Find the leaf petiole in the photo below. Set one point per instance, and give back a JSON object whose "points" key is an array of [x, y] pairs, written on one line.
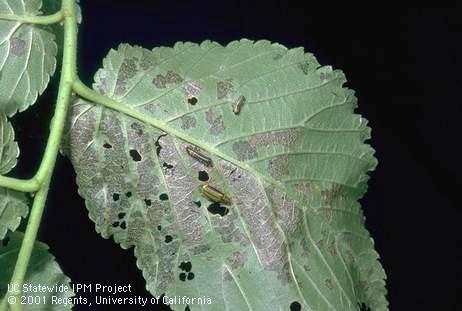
{"points": [[22, 185], [41, 20]]}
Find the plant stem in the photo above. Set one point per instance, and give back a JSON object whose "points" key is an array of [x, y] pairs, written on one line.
{"points": [[68, 76], [45, 171], [42, 20], [23, 185]]}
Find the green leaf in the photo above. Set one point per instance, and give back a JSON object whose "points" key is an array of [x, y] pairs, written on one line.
{"points": [[293, 163], [13, 204], [13, 207], [9, 150], [27, 57], [43, 270]]}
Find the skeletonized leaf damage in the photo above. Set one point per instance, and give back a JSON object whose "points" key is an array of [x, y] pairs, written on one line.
{"points": [[293, 163]]}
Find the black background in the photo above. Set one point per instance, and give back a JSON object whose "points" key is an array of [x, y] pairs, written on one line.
{"points": [[404, 64]]}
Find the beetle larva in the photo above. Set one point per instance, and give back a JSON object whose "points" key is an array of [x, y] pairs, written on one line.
{"points": [[238, 104], [195, 153], [214, 194]]}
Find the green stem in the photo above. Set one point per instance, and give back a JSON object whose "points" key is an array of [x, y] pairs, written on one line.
{"points": [[28, 242], [45, 171], [23, 185], [42, 20]]}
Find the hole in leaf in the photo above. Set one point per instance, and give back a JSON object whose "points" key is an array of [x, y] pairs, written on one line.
{"points": [[190, 276], [182, 276], [158, 147], [187, 308], [363, 307], [5, 241], [135, 155], [128, 194], [192, 100], [147, 202], [121, 215], [295, 306], [123, 225], [203, 176], [157, 144], [115, 224], [115, 197], [159, 227], [198, 203], [168, 238], [163, 197], [185, 266], [167, 166], [107, 145], [216, 208]]}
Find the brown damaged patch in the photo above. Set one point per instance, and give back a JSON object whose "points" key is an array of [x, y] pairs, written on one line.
{"points": [[200, 249], [136, 230], [127, 70], [286, 138], [303, 188], [224, 88], [17, 46], [167, 256], [229, 232], [279, 166], [333, 249], [188, 122], [161, 81], [138, 128], [324, 76], [180, 186], [147, 61], [277, 56], [244, 151], [237, 260], [333, 195], [192, 88], [304, 67], [286, 210], [102, 86], [255, 211], [215, 121], [154, 214]]}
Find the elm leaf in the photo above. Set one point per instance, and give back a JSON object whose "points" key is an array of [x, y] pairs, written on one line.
{"points": [[13, 207], [27, 57], [9, 150], [13, 204], [292, 163], [42, 271]]}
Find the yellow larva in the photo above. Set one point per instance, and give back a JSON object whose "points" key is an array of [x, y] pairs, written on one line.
{"points": [[214, 194], [195, 153], [238, 104]]}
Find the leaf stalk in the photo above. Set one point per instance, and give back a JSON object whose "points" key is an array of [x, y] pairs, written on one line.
{"points": [[40, 20]]}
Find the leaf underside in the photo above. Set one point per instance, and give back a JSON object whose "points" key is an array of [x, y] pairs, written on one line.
{"points": [[27, 57], [13, 204], [43, 270], [293, 162]]}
